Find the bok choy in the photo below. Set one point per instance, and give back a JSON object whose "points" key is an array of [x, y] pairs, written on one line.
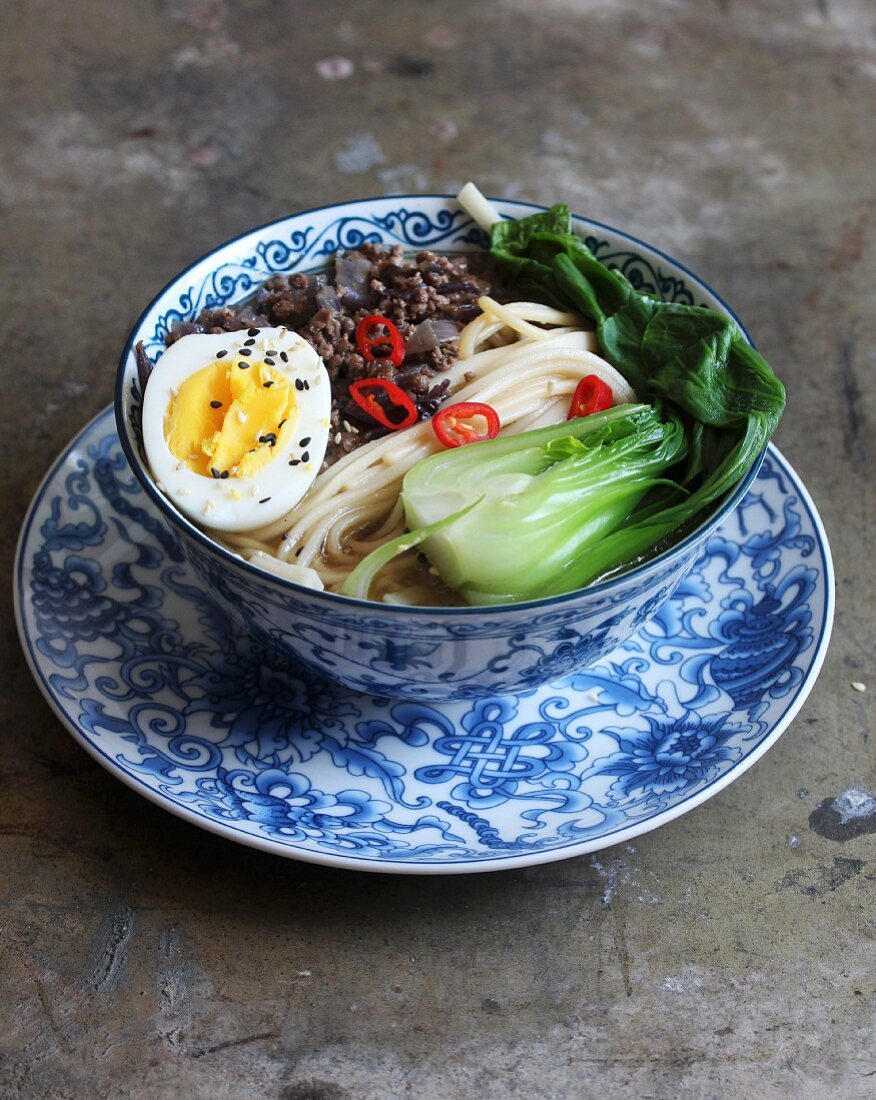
{"points": [[523, 516]]}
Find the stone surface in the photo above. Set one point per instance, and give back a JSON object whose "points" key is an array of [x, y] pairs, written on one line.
{"points": [[729, 954]]}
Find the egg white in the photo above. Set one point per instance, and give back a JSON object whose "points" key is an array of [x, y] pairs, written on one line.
{"points": [[240, 503]]}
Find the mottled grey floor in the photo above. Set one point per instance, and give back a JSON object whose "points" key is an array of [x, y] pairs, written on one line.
{"points": [[715, 958]]}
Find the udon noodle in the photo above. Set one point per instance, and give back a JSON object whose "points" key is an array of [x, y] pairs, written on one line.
{"points": [[523, 358]]}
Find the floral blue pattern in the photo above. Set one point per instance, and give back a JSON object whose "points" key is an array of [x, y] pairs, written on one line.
{"points": [[159, 683], [673, 754]]}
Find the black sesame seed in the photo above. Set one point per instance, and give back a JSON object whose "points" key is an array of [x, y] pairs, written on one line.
{"points": [[299, 385], [221, 354], [294, 462], [214, 472], [305, 457], [307, 385], [269, 362], [267, 385], [248, 343], [252, 332], [303, 442], [284, 356], [270, 353], [215, 404], [223, 475], [245, 351], [244, 366], [264, 500]]}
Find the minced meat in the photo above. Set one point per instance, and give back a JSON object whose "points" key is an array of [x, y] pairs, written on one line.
{"points": [[325, 309]]}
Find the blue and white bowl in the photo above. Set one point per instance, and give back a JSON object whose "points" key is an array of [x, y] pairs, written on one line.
{"points": [[433, 654]]}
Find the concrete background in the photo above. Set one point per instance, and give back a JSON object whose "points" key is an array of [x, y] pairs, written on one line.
{"points": [[730, 954]]}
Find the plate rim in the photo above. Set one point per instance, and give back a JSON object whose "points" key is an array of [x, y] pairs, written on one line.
{"points": [[383, 866]]}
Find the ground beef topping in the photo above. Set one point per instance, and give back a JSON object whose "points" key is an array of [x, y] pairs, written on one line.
{"points": [[428, 297]]}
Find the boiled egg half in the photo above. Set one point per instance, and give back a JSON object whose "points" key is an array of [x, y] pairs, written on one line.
{"points": [[235, 425]]}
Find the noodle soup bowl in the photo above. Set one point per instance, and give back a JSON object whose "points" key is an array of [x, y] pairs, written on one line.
{"points": [[432, 654]]}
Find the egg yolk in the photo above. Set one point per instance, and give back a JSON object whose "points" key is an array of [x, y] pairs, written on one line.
{"points": [[226, 420]]}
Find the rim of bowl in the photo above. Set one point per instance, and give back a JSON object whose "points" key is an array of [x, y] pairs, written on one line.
{"points": [[188, 528]]}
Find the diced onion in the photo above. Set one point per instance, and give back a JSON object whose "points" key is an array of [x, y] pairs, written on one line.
{"points": [[445, 330], [352, 271], [429, 334], [327, 298]]}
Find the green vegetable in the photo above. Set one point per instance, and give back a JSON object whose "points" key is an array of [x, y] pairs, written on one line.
{"points": [[549, 511], [523, 516]]}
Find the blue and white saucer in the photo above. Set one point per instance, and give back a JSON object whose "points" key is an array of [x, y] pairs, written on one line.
{"points": [[159, 687]]}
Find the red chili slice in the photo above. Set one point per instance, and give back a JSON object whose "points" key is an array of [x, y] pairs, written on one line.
{"points": [[379, 341], [396, 411], [592, 395], [466, 422]]}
